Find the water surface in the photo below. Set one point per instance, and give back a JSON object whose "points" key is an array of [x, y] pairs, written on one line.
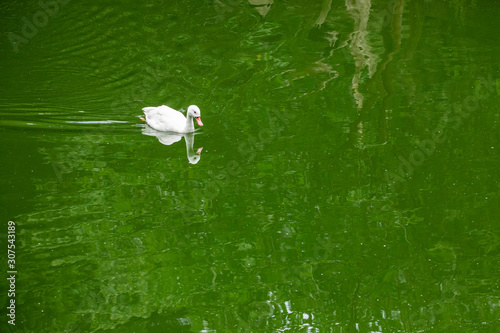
{"points": [[348, 179]]}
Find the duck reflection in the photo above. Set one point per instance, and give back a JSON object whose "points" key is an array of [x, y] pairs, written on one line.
{"points": [[168, 138]]}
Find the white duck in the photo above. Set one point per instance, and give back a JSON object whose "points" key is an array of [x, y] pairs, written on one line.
{"points": [[165, 119]]}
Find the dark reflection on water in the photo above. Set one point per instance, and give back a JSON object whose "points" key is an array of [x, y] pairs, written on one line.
{"points": [[347, 181]]}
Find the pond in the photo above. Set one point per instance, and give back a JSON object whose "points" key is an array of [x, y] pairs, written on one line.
{"points": [[345, 179]]}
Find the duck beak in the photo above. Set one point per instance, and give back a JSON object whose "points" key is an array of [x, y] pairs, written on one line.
{"points": [[198, 120]]}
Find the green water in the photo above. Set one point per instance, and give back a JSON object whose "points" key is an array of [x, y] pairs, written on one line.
{"points": [[348, 180]]}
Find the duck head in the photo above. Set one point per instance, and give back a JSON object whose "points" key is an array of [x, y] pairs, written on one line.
{"points": [[194, 112]]}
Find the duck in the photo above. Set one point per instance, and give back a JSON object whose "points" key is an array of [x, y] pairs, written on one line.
{"points": [[165, 119]]}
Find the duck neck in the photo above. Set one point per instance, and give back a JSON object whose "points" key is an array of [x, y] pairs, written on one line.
{"points": [[189, 124]]}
